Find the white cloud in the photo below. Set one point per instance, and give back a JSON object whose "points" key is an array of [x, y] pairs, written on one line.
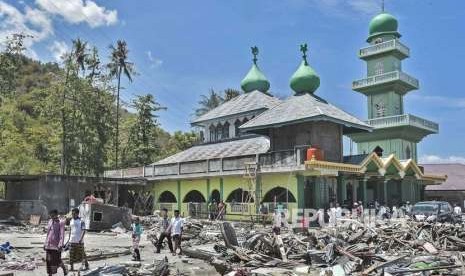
{"points": [[79, 11], [33, 22], [435, 159], [154, 62], [58, 49]]}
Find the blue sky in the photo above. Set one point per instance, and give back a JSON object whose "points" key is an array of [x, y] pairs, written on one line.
{"points": [[183, 48]]}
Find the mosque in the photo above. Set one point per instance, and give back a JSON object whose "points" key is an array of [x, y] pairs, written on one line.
{"points": [[259, 149]]}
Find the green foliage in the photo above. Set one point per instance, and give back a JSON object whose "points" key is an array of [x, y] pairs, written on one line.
{"points": [[63, 118], [213, 99]]}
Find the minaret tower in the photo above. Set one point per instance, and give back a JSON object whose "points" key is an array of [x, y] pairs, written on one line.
{"points": [[385, 87]]}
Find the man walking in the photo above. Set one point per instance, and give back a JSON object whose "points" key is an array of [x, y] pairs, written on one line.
{"points": [[54, 244], [76, 241], [165, 229], [177, 225]]}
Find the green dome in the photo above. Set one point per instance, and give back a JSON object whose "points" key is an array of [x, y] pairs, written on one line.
{"points": [[305, 79], [383, 23], [255, 80]]}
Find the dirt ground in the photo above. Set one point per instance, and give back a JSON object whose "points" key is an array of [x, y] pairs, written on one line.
{"points": [[31, 245]]}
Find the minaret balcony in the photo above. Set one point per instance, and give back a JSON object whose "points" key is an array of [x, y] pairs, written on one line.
{"points": [[400, 81], [402, 121], [394, 46]]}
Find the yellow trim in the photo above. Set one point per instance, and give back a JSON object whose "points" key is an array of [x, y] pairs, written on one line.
{"points": [[383, 164]]}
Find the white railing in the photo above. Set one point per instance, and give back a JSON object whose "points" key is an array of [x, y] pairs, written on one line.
{"points": [[402, 120], [239, 207], [168, 206], [384, 47], [384, 78]]}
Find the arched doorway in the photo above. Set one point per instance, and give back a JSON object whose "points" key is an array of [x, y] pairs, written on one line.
{"points": [[237, 196], [194, 196], [279, 194], [196, 206], [215, 196], [167, 197]]}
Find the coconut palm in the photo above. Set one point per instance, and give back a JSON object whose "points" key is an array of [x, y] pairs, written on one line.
{"points": [[208, 102], [80, 53], [119, 65]]}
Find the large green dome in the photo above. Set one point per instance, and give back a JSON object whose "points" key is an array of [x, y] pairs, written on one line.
{"points": [[255, 80], [305, 79], [383, 23]]}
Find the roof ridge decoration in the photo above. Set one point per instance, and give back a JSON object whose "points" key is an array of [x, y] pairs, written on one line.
{"points": [[255, 79], [304, 80], [382, 164]]}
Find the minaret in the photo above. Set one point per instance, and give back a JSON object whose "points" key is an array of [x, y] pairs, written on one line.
{"points": [[385, 87]]}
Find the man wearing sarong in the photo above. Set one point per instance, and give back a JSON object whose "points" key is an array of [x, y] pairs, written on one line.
{"points": [[76, 241], [54, 244]]}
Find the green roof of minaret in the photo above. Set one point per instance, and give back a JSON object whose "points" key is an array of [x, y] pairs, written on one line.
{"points": [[305, 79], [255, 80], [383, 23]]}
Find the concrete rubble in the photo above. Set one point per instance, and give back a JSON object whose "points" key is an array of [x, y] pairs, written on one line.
{"points": [[348, 247]]}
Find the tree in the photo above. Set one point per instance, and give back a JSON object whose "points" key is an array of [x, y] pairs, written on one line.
{"points": [[119, 64], [230, 93], [141, 147], [208, 102]]}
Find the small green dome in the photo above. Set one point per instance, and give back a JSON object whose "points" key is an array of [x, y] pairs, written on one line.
{"points": [[383, 23], [305, 79], [255, 80]]}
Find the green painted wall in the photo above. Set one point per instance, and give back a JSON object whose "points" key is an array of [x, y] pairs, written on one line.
{"points": [[397, 146]]}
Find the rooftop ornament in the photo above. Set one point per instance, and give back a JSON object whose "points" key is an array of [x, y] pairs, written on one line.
{"points": [[255, 80], [383, 24], [305, 79]]}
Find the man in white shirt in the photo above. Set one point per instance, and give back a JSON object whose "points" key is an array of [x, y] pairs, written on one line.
{"points": [[176, 228], [457, 209], [76, 241], [338, 211]]}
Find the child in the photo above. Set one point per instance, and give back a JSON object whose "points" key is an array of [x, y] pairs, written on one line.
{"points": [[136, 233]]}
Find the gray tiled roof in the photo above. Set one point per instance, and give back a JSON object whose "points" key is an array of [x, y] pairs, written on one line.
{"points": [[455, 176], [255, 100], [303, 108], [355, 159], [240, 147]]}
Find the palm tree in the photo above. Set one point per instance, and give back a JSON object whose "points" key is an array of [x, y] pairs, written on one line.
{"points": [[208, 102], [93, 64], [119, 64], [80, 54], [230, 93]]}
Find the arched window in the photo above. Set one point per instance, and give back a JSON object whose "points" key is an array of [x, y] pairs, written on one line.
{"points": [[215, 196], [237, 196], [408, 153], [219, 130], [194, 196], [279, 194], [225, 132], [237, 124], [167, 197], [212, 133]]}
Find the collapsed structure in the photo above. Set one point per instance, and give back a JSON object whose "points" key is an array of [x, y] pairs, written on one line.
{"points": [[258, 149]]}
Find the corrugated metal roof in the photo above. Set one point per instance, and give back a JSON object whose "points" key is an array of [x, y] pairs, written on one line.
{"points": [[303, 108], [255, 100], [455, 176], [240, 147]]}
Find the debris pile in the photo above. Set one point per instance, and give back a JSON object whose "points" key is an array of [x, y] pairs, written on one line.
{"points": [[400, 247]]}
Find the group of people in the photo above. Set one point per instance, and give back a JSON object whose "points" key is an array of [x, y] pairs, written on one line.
{"points": [[216, 210], [171, 230], [55, 242]]}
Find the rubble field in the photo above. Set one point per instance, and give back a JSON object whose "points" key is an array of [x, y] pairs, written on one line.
{"points": [[348, 247]]}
